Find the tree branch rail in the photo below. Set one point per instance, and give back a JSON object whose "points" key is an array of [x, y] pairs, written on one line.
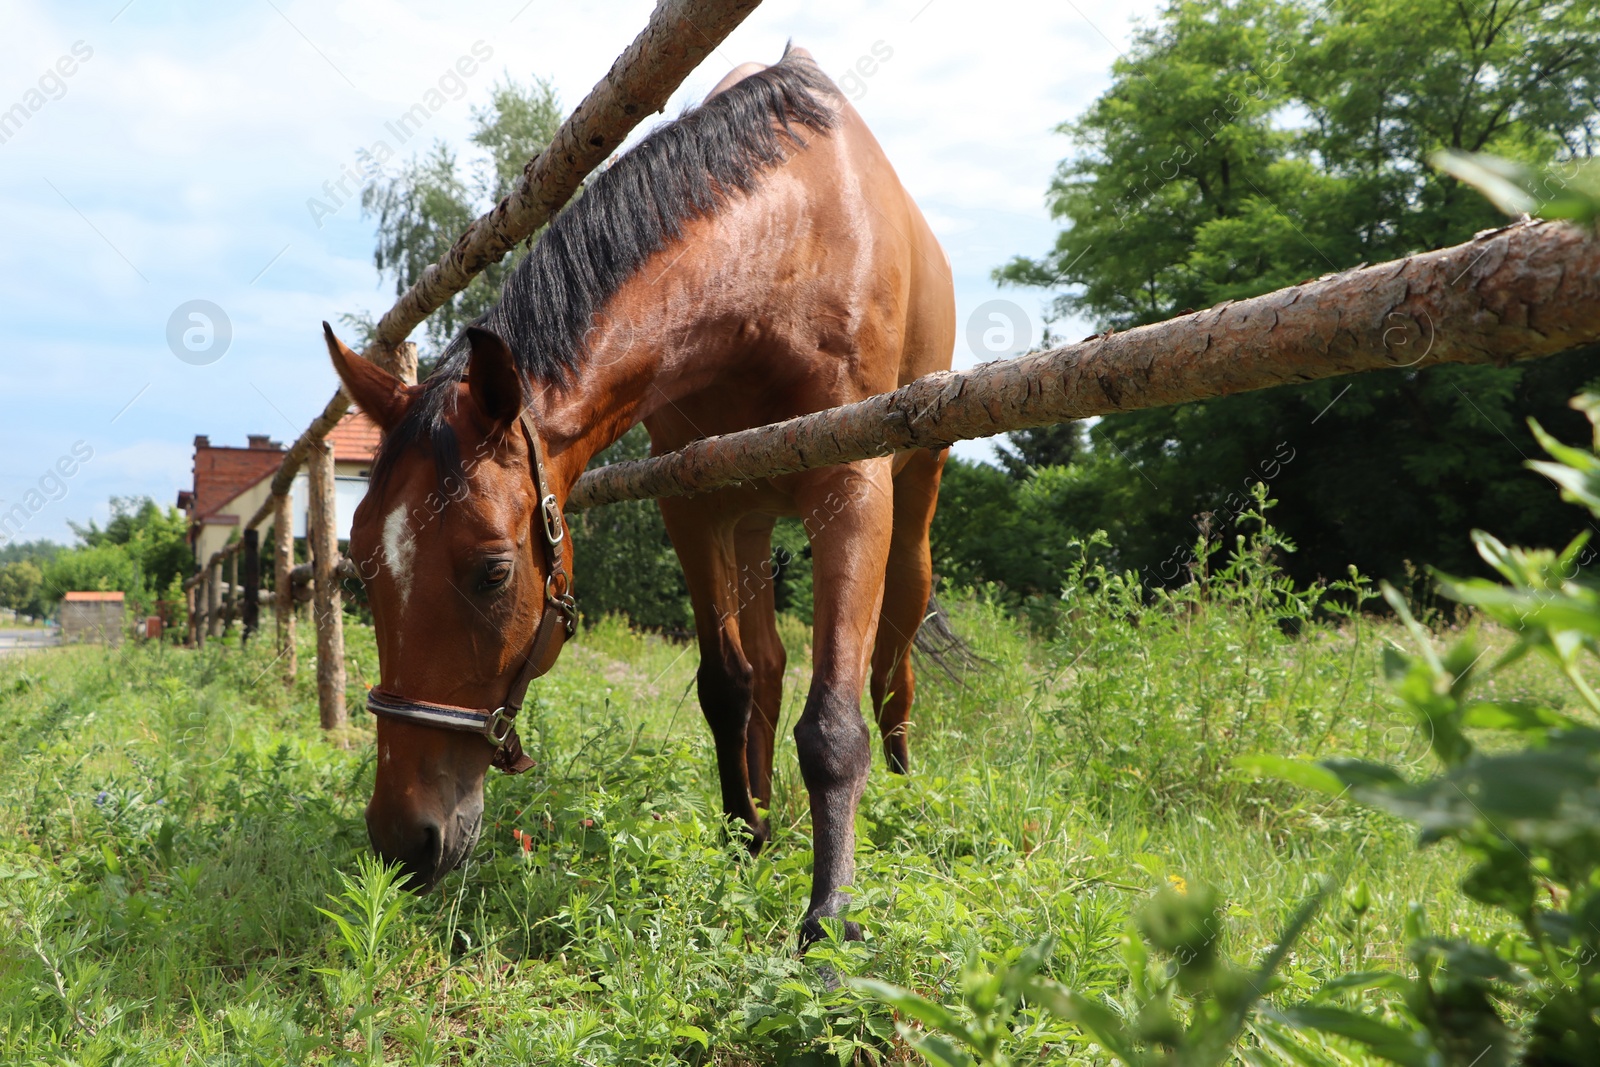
{"points": [[1521, 292]]}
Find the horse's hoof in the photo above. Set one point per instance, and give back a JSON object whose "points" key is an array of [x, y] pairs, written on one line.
{"points": [[897, 754], [811, 931]]}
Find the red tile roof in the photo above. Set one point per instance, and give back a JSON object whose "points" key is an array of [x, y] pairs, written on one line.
{"points": [[93, 596], [220, 474], [355, 438]]}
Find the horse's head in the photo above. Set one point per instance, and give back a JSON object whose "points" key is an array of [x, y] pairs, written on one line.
{"points": [[450, 544]]}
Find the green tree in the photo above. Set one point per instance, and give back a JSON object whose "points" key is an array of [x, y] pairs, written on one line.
{"points": [[155, 538], [22, 589], [94, 568], [1041, 446], [1246, 146], [37, 551], [519, 123], [422, 209]]}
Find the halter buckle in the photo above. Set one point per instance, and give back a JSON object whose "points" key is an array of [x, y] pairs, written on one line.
{"points": [[499, 726], [555, 531], [567, 604]]}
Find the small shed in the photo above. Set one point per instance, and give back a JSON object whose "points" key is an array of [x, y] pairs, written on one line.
{"points": [[92, 618]]}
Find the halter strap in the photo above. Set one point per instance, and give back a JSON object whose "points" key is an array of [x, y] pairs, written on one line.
{"points": [[558, 621]]}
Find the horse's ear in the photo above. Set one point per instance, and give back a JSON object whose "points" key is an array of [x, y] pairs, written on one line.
{"points": [[381, 395], [493, 378]]}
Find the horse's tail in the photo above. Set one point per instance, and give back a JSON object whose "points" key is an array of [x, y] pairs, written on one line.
{"points": [[939, 644]]}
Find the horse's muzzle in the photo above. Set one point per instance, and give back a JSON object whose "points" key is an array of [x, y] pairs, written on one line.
{"points": [[427, 849]]}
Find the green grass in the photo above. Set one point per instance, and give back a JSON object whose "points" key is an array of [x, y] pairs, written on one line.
{"points": [[171, 822]]}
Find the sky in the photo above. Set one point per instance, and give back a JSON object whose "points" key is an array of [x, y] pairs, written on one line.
{"points": [[170, 151]]}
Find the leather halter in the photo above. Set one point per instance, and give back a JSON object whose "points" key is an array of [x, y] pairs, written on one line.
{"points": [[558, 622]]}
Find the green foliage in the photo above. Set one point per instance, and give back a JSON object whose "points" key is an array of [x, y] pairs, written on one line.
{"points": [[624, 559], [369, 907], [519, 123], [22, 589], [420, 210], [1518, 786], [1019, 535], [155, 537], [1567, 191], [1188, 1007], [102, 568], [979, 1029], [143, 552], [34, 551], [1248, 146], [791, 569], [1163, 738], [1041, 446], [1217, 197]]}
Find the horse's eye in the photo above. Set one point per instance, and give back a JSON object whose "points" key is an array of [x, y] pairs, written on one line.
{"points": [[496, 573]]}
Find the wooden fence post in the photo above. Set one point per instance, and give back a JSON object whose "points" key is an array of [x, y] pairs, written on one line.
{"points": [[250, 610], [232, 594], [283, 537], [327, 605], [192, 594], [214, 600]]}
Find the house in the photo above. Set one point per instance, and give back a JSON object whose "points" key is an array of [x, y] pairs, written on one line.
{"points": [[231, 483], [92, 617]]}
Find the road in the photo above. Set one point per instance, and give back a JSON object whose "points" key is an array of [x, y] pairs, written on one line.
{"points": [[27, 640]]}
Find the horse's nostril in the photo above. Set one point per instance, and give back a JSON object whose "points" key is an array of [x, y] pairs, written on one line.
{"points": [[432, 848], [420, 853]]}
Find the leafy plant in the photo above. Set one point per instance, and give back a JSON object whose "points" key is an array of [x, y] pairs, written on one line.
{"points": [[1569, 190], [1186, 1008], [979, 1029], [1518, 792], [370, 905]]}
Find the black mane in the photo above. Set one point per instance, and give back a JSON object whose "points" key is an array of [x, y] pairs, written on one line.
{"points": [[686, 169]]}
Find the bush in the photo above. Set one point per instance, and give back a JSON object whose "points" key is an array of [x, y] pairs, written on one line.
{"points": [[97, 568]]}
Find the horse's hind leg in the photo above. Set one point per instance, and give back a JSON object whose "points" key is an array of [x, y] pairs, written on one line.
{"points": [[847, 516], [704, 540], [758, 630], [908, 579]]}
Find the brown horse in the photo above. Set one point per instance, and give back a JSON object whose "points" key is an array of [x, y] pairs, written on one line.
{"points": [[755, 260]]}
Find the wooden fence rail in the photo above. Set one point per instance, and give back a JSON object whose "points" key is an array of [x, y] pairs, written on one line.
{"points": [[678, 37], [1524, 291]]}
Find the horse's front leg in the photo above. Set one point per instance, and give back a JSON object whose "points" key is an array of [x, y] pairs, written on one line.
{"points": [[848, 515], [703, 535]]}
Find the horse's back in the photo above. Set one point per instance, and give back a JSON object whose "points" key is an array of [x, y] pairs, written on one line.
{"points": [[837, 284]]}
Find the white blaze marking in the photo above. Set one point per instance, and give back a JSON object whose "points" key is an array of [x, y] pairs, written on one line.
{"points": [[399, 549]]}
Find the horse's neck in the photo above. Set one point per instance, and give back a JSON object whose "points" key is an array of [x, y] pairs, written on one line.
{"points": [[641, 356]]}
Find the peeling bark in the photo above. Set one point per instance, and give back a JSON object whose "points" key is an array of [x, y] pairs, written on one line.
{"points": [[1520, 292]]}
